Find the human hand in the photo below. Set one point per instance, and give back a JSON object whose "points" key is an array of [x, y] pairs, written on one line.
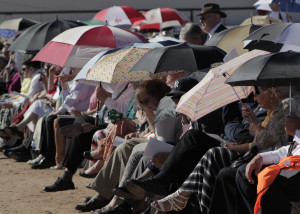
{"points": [[230, 145], [159, 158], [254, 128], [292, 123], [254, 165], [53, 114], [131, 135], [75, 113], [248, 114]]}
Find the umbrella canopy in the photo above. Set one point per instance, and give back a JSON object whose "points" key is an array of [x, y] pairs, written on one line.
{"points": [[81, 76], [76, 46], [93, 22], [5, 33], [37, 36], [179, 57], [161, 18], [275, 37], [119, 15], [232, 38], [115, 67], [279, 69], [17, 24], [212, 92], [260, 20]]}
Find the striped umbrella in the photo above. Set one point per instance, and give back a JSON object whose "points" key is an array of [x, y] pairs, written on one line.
{"points": [[159, 19], [119, 16], [76, 46], [212, 92]]}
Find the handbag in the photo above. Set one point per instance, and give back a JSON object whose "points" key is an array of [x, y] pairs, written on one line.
{"points": [[246, 158]]}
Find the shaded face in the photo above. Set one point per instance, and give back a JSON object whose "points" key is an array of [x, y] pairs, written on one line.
{"points": [[209, 21], [25, 71], [262, 97]]}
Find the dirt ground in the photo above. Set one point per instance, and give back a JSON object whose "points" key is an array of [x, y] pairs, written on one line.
{"points": [[21, 190]]}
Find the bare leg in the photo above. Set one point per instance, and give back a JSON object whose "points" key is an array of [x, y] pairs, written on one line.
{"points": [[60, 144], [32, 117], [95, 168]]}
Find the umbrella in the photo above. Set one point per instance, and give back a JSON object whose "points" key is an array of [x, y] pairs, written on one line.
{"points": [[114, 67], [93, 22], [184, 56], [161, 18], [81, 76], [76, 46], [37, 36], [232, 38], [18, 24], [119, 16], [275, 37], [212, 93], [276, 69], [8, 33], [260, 20]]}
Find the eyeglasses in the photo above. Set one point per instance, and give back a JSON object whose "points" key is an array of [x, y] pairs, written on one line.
{"points": [[204, 17]]}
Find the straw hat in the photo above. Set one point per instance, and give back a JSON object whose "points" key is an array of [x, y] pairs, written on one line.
{"points": [[212, 8]]}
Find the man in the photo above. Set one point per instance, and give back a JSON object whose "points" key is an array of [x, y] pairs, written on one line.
{"points": [[277, 14], [210, 19]]}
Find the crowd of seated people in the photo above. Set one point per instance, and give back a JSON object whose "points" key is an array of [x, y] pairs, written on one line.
{"points": [[51, 121]]}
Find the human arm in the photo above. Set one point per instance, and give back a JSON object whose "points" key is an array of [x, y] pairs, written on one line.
{"points": [[254, 165], [242, 148]]}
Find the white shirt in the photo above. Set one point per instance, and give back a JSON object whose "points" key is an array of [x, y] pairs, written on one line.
{"points": [[275, 15], [36, 85], [273, 157]]}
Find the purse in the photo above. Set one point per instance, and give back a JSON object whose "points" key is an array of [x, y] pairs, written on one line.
{"points": [[246, 158]]}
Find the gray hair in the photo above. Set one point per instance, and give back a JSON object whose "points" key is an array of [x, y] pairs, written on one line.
{"points": [[192, 31]]}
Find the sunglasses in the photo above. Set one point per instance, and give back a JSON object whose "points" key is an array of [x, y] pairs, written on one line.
{"points": [[24, 69]]}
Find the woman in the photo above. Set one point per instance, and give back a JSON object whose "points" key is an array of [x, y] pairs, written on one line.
{"points": [[201, 181]]}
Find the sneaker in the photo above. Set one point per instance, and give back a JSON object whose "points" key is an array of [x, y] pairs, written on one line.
{"points": [[60, 185]]}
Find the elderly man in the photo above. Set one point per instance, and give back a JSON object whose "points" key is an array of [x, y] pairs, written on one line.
{"points": [[210, 19]]}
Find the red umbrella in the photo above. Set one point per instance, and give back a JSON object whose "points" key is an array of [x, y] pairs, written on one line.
{"points": [[161, 18], [119, 15], [75, 47]]}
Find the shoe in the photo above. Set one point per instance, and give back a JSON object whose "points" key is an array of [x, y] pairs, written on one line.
{"points": [[13, 131], [20, 156], [120, 209], [20, 148], [59, 185], [75, 130], [43, 164], [146, 188], [6, 152], [83, 174], [176, 201], [87, 155], [92, 204], [123, 193], [36, 160], [57, 167]]}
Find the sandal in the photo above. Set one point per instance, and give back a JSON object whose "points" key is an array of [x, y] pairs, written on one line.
{"points": [[178, 202]]}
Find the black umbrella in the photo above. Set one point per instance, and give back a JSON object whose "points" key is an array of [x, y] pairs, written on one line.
{"points": [[268, 38], [179, 57], [18, 24], [37, 36], [276, 69]]}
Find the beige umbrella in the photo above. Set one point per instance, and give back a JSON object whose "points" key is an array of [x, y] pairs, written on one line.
{"points": [[212, 93], [260, 20]]}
